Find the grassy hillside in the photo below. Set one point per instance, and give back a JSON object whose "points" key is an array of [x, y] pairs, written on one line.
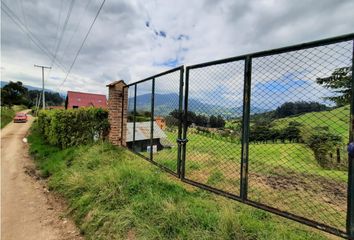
{"points": [[113, 194], [7, 114], [337, 120]]}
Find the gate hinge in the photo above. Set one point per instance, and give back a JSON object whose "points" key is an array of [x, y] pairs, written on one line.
{"points": [[181, 141]]}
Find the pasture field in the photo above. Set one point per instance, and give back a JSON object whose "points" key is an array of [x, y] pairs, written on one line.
{"points": [[285, 176]]}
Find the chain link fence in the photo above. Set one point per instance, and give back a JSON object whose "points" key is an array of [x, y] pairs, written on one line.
{"points": [[297, 151], [154, 107], [269, 129]]}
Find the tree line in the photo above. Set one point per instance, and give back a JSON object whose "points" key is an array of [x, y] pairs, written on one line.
{"points": [[263, 132], [15, 93], [197, 119], [288, 109]]}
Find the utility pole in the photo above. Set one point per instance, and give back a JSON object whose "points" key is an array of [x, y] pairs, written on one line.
{"points": [[43, 67]]}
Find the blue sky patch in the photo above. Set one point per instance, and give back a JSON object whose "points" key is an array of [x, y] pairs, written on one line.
{"points": [[287, 82], [182, 37], [161, 33], [169, 63], [279, 85]]}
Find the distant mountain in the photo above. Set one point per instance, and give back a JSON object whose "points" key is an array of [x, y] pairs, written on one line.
{"points": [[166, 103]]}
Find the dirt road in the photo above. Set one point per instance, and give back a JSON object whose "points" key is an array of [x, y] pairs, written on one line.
{"points": [[28, 210]]}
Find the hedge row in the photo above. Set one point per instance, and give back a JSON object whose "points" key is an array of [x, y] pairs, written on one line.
{"points": [[66, 128]]}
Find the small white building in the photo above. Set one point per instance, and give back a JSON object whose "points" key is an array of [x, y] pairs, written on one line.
{"points": [[142, 136]]}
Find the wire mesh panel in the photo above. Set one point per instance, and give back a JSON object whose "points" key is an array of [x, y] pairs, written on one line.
{"points": [[167, 119], [129, 130], [299, 127], [142, 119], [154, 118], [214, 120]]}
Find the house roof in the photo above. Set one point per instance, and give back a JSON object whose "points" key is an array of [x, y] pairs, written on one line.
{"points": [[142, 131], [82, 99]]}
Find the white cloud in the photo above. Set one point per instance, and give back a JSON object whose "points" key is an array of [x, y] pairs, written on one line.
{"points": [[122, 46]]}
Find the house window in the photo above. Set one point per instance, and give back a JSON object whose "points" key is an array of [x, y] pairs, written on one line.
{"points": [[75, 106], [79, 99]]}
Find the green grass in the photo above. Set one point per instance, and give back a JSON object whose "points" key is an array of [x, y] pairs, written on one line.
{"points": [[207, 151], [337, 120], [112, 194], [7, 114], [286, 176]]}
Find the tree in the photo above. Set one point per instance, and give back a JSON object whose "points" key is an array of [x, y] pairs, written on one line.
{"points": [[51, 98], [292, 132], [191, 116], [216, 121], [201, 120], [212, 121], [220, 121], [14, 93], [340, 81], [261, 131], [323, 142], [294, 108]]}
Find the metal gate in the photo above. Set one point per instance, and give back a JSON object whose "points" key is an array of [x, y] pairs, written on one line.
{"points": [[151, 128], [269, 129]]}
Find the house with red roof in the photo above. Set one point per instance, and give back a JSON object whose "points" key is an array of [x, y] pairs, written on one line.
{"points": [[81, 99]]}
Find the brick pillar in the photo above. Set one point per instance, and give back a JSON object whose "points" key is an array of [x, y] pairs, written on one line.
{"points": [[117, 102]]}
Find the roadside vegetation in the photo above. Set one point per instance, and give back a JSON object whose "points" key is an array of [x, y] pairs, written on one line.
{"points": [[66, 128], [7, 113], [112, 194]]}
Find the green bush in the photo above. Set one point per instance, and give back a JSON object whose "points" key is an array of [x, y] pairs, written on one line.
{"points": [[66, 128], [323, 142]]}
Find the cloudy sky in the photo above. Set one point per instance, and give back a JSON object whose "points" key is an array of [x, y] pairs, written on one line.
{"points": [[132, 40]]}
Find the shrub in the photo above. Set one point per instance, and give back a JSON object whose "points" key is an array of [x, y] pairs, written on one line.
{"points": [[66, 128], [323, 142]]}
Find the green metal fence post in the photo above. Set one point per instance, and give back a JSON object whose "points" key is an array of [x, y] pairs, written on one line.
{"points": [[180, 116], [134, 117], [185, 123], [152, 119], [245, 128], [350, 195], [122, 115]]}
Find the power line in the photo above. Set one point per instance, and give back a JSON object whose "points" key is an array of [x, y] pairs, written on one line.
{"points": [[23, 13], [63, 30], [58, 24], [60, 37], [83, 42], [29, 34], [75, 30]]}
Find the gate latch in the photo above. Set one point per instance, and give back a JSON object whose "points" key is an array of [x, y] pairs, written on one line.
{"points": [[181, 141]]}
